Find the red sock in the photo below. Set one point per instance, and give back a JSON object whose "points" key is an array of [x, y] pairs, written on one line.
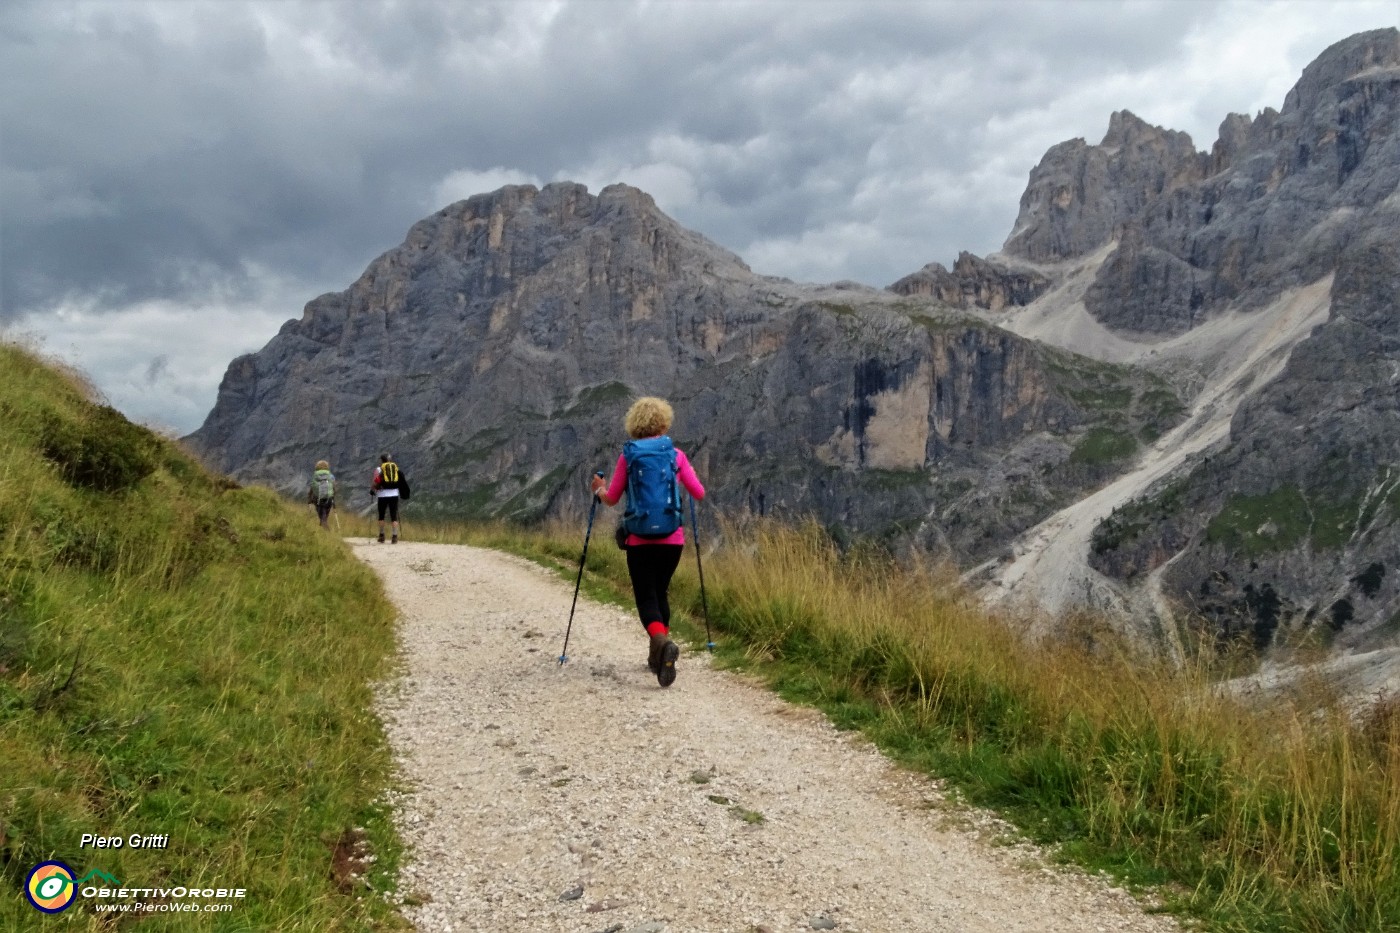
{"points": [[656, 628]]}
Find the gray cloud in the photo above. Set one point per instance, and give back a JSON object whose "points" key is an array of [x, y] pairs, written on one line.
{"points": [[221, 156]]}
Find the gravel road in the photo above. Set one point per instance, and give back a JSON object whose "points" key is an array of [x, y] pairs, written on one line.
{"points": [[585, 799]]}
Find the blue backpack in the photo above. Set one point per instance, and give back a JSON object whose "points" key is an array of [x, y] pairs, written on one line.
{"points": [[653, 499]]}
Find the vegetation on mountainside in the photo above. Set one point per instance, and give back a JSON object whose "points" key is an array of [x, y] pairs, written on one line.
{"points": [[1327, 515], [1282, 817], [1103, 445], [185, 658], [1128, 405]]}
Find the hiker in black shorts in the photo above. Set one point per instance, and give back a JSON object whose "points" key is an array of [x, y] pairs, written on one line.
{"points": [[385, 489]]}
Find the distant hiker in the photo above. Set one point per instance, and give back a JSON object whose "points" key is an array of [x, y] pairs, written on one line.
{"points": [[322, 492], [648, 470], [386, 487]]}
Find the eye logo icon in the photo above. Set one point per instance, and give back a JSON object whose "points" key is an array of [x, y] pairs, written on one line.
{"points": [[50, 887]]}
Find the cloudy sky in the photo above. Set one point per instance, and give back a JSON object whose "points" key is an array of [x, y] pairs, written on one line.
{"points": [[178, 178]]}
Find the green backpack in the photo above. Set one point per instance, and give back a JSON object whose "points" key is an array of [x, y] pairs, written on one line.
{"points": [[323, 485]]}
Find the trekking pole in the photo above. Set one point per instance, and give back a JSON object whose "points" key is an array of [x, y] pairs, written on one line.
{"points": [[704, 604], [336, 512], [564, 654]]}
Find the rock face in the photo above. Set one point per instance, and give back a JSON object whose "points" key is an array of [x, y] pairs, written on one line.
{"points": [[495, 352], [1270, 207], [1296, 521], [1079, 195], [1290, 522], [975, 283]]}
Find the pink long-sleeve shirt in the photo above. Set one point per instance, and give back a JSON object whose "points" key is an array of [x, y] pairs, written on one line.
{"points": [[684, 472]]}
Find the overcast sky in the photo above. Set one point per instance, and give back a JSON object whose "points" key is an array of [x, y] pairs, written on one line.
{"points": [[178, 178]]}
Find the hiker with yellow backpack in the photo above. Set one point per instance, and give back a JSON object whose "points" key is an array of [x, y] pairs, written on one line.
{"points": [[388, 486]]}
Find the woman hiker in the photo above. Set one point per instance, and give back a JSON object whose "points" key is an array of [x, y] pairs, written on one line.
{"points": [[647, 470]]}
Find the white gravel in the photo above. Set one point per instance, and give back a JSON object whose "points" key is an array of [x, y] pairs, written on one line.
{"points": [[527, 780]]}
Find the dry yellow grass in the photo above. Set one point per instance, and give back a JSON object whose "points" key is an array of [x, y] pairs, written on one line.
{"points": [[1283, 816]]}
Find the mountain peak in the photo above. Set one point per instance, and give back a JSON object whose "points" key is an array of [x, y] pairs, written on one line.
{"points": [[556, 201], [1126, 128], [1079, 194], [1353, 56]]}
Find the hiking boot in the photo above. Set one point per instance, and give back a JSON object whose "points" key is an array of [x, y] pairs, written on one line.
{"points": [[670, 652], [658, 642], [381, 537], [394, 539]]}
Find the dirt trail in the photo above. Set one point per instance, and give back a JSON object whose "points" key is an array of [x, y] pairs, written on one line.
{"points": [[709, 807]]}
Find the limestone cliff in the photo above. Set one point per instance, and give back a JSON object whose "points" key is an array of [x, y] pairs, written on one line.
{"points": [[975, 283], [1260, 280], [1270, 207], [496, 350]]}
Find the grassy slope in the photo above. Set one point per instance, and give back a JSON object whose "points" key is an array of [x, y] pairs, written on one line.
{"points": [[1286, 818], [179, 656]]}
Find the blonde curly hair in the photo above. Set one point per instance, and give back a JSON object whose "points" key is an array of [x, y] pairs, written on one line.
{"points": [[322, 465], [648, 417]]}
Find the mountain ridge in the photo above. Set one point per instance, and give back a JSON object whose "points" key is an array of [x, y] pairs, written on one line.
{"points": [[1285, 208], [502, 339], [504, 336]]}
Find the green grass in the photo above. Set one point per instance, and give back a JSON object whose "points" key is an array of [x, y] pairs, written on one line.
{"points": [[1256, 525], [1124, 404], [893, 479], [1280, 818], [597, 397], [184, 657], [950, 323], [1103, 445], [1327, 512]]}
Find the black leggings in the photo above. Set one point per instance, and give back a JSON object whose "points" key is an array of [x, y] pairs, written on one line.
{"points": [[651, 566]]}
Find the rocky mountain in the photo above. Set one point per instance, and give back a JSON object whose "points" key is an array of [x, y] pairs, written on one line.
{"points": [[496, 350], [1175, 388], [1296, 517], [1261, 280]]}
